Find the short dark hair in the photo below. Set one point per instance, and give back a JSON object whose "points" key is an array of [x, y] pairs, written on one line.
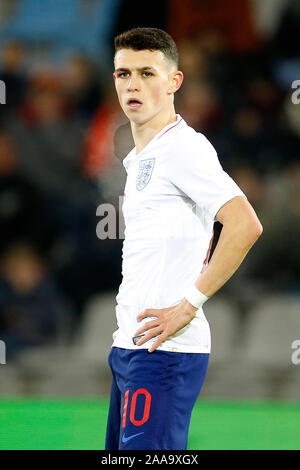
{"points": [[153, 39]]}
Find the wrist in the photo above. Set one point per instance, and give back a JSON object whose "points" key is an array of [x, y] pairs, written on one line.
{"points": [[189, 308], [195, 297]]}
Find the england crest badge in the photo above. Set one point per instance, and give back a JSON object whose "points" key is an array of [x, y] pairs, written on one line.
{"points": [[144, 173]]}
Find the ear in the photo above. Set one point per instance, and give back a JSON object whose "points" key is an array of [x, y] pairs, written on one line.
{"points": [[175, 81], [114, 75]]}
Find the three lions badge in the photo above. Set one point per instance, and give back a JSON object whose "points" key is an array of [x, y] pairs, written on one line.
{"points": [[144, 173]]}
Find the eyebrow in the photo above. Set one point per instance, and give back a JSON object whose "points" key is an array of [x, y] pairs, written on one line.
{"points": [[123, 69]]}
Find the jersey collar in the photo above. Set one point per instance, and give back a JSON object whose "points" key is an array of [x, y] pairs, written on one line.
{"points": [[166, 129], [132, 154]]}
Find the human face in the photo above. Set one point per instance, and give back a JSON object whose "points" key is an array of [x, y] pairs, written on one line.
{"points": [[147, 77]]}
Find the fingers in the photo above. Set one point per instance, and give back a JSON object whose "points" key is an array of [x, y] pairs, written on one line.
{"points": [[149, 312], [154, 332], [155, 326], [159, 341], [147, 326], [161, 338]]}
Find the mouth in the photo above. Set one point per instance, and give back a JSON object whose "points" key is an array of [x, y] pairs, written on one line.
{"points": [[134, 103]]}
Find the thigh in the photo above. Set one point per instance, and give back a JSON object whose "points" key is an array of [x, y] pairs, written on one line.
{"points": [[158, 393]]}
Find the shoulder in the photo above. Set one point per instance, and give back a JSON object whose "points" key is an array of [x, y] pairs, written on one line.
{"points": [[189, 142]]}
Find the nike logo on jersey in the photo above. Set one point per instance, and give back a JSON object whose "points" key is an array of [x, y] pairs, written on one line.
{"points": [[125, 439]]}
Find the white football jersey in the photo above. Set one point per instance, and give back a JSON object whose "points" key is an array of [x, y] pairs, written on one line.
{"points": [[174, 188]]}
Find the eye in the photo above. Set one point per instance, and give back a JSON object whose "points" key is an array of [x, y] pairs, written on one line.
{"points": [[122, 74], [147, 74]]}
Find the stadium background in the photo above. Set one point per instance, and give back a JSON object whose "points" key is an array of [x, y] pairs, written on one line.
{"points": [[62, 140]]}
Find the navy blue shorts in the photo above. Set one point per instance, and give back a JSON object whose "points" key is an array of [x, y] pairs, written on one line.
{"points": [[152, 397]]}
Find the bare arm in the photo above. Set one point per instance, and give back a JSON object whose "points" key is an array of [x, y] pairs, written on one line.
{"points": [[241, 229]]}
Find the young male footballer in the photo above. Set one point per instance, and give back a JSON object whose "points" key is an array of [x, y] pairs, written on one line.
{"points": [[175, 190]]}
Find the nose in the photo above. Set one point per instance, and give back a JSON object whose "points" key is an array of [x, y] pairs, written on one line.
{"points": [[133, 83]]}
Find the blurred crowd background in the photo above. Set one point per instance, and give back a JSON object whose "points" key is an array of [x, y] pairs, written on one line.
{"points": [[62, 141]]}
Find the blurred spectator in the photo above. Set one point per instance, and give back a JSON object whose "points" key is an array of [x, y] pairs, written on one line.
{"points": [[49, 137], [123, 140], [98, 145], [273, 264], [255, 132], [23, 213], [252, 183], [30, 305], [230, 21], [82, 86], [193, 61], [199, 105], [112, 179]]}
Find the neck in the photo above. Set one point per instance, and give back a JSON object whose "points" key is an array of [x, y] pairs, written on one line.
{"points": [[143, 133]]}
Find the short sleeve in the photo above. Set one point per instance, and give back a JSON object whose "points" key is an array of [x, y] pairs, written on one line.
{"points": [[195, 169]]}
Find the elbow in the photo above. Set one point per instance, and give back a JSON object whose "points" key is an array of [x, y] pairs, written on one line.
{"points": [[254, 230], [260, 229]]}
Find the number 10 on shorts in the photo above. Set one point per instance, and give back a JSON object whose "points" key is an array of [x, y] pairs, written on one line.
{"points": [[147, 405]]}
